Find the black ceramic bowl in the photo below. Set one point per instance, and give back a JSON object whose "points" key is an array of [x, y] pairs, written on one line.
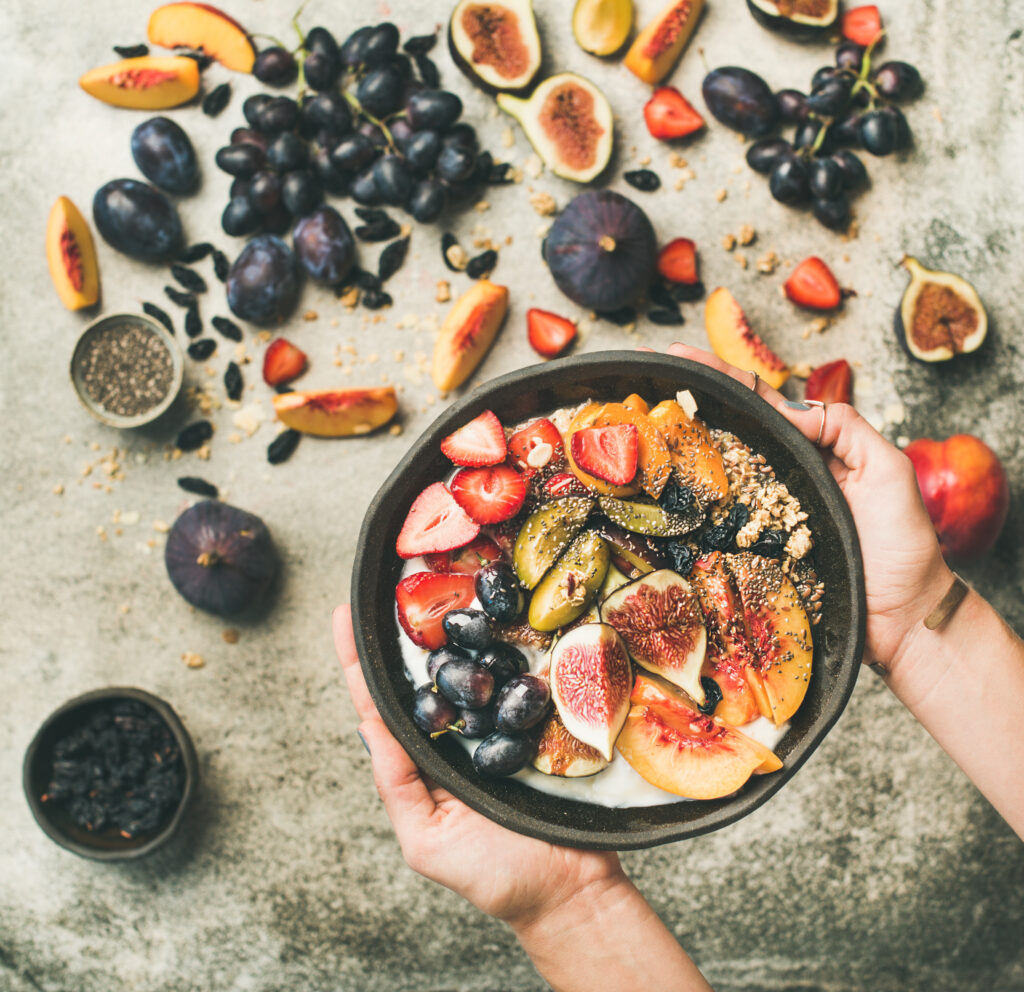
{"points": [[724, 403], [105, 846]]}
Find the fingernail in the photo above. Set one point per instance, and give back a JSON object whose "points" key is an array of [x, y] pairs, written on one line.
{"points": [[795, 405], [363, 739]]}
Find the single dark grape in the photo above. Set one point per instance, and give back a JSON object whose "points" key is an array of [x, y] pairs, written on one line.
{"points": [[428, 201], [363, 188], [431, 712], [434, 109], [849, 55], [499, 592], [807, 134], [504, 662], [503, 754], [401, 132], [455, 163], [825, 178], [377, 137], [475, 724], [465, 683], [321, 71], [265, 191], [833, 213], [354, 47], [468, 629], [764, 155], [898, 81], [422, 150], [320, 41], [461, 134], [253, 107], [287, 152], [300, 192], [239, 187], [331, 178], [903, 136], [249, 136], [522, 703], [852, 168], [280, 113], [380, 45], [831, 98], [825, 73], [329, 112], [239, 160], [792, 105], [788, 182], [443, 654], [846, 131], [380, 91], [393, 179], [275, 66], [878, 132], [354, 153], [239, 217], [278, 221]]}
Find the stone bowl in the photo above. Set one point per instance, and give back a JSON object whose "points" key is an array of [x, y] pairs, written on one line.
{"points": [[534, 391], [107, 845]]}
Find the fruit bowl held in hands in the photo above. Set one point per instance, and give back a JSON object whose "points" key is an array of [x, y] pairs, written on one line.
{"points": [[536, 391]]}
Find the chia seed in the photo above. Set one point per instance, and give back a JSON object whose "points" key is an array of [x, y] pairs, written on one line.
{"points": [[126, 370]]}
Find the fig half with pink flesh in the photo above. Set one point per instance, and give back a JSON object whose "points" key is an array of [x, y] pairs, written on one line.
{"points": [[659, 618], [591, 679], [496, 45], [561, 754]]}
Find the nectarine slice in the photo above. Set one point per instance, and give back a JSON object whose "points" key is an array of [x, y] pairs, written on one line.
{"points": [[199, 25], [148, 83], [654, 461], [734, 342], [336, 412], [71, 256], [585, 418], [656, 48], [467, 333], [636, 402], [697, 461]]}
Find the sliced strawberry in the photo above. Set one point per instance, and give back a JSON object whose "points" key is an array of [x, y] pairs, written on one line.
{"points": [[480, 442], [424, 598], [670, 115], [435, 523], [677, 262], [282, 362], [536, 446], [812, 285], [465, 561], [831, 383], [489, 495], [862, 25], [564, 484], [549, 335], [610, 453]]}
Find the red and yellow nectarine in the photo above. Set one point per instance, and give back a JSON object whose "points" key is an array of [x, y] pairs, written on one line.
{"points": [[201, 26], [148, 83], [71, 256]]}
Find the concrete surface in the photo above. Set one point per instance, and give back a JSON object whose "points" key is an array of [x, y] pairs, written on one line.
{"points": [[878, 868]]}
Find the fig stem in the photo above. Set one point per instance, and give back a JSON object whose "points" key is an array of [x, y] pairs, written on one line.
{"points": [[607, 242], [209, 559]]}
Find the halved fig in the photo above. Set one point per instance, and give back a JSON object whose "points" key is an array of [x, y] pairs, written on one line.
{"points": [[546, 534], [585, 418], [561, 754], [734, 342], [569, 123], [601, 27], [591, 679], [659, 45], [570, 585], [614, 579], [496, 45], [778, 630], [71, 256], [649, 518], [698, 462], [798, 18], [629, 550], [676, 748], [659, 618], [654, 461], [940, 315]]}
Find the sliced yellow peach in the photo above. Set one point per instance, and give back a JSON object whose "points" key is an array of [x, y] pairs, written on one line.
{"points": [[654, 461], [71, 256], [199, 25], [586, 418], [147, 83], [467, 333], [636, 403], [656, 48], [698, 462], [734, 342], [336, 412]]}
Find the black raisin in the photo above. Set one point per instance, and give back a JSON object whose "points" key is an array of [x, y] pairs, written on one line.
{"points": [[195, 435], [217, 99], [228, 328], [621, 317], [189, 278], [770, 544], [157, 314], [660, 295], [284, 388], [281, 448], [193, 323], [372, 215], [666, 318], [179, 298], [681, 555], [739, 515], [448, 241], [132, 51], [391, 258], [201, 59], [500, 174], [374, 299], [675, 498], [420, 44], [233, 380], [221, 265], [381, 230], [479, 266], [428, 72], [712, 695], [200, 487], [643, 180], [684, 292], [365, 280], [202, 349], [195, 253]]}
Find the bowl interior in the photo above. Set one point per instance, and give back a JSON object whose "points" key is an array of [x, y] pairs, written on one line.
{"points": [[723, 403], [106, 845]]}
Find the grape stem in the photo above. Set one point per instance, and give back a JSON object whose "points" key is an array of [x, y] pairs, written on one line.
{"points": [[358, 107], [270, 37]]}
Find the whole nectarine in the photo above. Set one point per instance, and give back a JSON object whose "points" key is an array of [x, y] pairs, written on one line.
{"points": [[965, 491]]}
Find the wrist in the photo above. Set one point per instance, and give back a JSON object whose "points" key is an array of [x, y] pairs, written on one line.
{"points": [[568, 909], [937, 583]]}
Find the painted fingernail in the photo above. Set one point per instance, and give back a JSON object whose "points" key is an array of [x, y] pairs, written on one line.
{"points": [[795, 405], [363, 739]]}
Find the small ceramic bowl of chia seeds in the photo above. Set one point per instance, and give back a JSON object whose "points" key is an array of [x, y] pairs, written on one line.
{"points": [[127, 369]]}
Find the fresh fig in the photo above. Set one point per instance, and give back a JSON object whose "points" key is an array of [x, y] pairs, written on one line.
{"points": [[797, 18], [221, 559], [602, 251], [601, 27], [571, 585], [569, 122], [940, 315], [561, 754], [591, 679], [546, 534], [496, 45], [659, 618]]}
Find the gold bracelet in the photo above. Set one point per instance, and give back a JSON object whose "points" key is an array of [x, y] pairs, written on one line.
{"points": [[946, 606]]}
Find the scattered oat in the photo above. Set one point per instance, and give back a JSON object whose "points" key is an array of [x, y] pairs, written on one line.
{"points": [[645, 161], [508, 137], [895, 413], [741, 259], [350, 297], [58, 490], [801, 370], [101, 532], [747, 235], [819, 325], [729, 242], [443, 293], [721, 194], [203, 454], [395, 429], [457, 257], [768, 263], [544, 204], [542, 231], [248, 418], [937, 114], [405, 230], [193, 660], [533, 166], [677, 161], [230, 635], [482, 206], [263, 336], [310, 315]]}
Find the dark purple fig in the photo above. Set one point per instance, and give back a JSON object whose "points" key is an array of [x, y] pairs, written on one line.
{"points": [[221, 559], [602, 251]]}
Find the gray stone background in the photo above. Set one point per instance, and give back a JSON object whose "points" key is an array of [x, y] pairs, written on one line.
{"points": [[879, 867]]}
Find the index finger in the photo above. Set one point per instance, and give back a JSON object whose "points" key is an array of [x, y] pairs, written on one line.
{"points": [[345, 645]]}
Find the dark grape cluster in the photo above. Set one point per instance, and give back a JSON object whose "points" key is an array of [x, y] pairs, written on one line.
{"points": [[851, 105]]}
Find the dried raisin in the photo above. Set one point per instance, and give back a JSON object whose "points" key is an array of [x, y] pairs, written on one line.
{"points": [[281, 448], [233, 381], [643, 180], [391, 258], [483, 263], [217, 99], [157, 314], [190, 279], [200, 487], [196, 252], [202, 349], [179, 298], [228, 328], [195, 435], [221, 265], [193, 323]]}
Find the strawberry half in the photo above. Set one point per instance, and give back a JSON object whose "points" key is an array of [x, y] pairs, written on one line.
{"points": [[424, 598], [610, 453], [282, 362], [435, 523], [677, 262], [489, 495], [564, 484], [670, 115], [812, 285], [465, 561], [539, 441], [480, 442], [549, 335], [862, 25], [831, 383]]}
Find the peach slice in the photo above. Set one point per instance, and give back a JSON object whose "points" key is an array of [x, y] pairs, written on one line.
{"points": [[657, 47], [153, 82], [336, 412], [778, 630], [734, 342], [586, 418], [654, 460], [467, 333], [678, 749], [698, 462], [198, 25], [636, 403], [71, 256]]}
